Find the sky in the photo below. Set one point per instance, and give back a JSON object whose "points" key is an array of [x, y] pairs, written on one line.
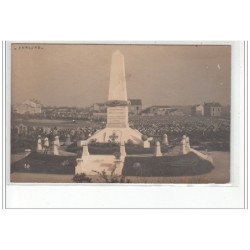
{"points": [[78, 75]]}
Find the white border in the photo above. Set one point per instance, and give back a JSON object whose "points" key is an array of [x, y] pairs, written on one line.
{"points": [[142, 195]]}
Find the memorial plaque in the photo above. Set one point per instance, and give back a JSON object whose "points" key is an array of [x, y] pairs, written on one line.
{"points": [[117, 117]]}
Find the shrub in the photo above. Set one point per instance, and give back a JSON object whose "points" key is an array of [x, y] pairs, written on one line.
{"points": [[83, 137], [81, 178], [113, 137], [153, 142], [45, 163], [112, 178], [92, 141], [130, 142], [119, 179], [117, 155], [181, 165]]}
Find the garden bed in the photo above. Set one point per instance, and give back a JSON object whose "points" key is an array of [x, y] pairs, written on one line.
{"points": [[49, 164], [183, 165]]}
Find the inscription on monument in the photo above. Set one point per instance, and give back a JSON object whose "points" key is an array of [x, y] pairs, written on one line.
{"points": [[117, 117]]}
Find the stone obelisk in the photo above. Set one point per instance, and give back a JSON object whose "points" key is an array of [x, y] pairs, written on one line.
{"points": [[117, 111], [117, 127], [117, 84]]}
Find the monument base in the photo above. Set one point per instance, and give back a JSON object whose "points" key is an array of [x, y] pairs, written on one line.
{"points": [[119, 135], [94, 164]]}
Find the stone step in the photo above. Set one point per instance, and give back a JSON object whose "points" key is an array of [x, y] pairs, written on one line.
{"points": [[95, 163]]}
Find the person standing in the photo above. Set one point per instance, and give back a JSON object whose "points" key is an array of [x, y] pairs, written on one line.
{"points": [[46, 145]]}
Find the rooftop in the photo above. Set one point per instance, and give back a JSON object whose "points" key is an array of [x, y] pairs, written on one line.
{"points": [[212, 104], [135, 101]]}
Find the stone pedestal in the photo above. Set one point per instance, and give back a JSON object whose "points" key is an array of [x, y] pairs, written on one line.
{"points": [[165, 140], [118, 135], [117, 116], [55, 148], [122, 150], [158, 149], [85, 149], [57, 141], [79, 169], [184, 145], [80, 143], [146, 144]]}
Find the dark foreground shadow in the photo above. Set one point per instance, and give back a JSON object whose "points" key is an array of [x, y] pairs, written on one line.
{"points": [[183, 165], [46, 164]]}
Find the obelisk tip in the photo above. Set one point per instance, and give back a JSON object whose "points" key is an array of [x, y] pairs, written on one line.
{"points": [[117, 52]]}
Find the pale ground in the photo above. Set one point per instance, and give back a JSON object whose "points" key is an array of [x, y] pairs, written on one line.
{"points": [[221, 174], [17, 157]]}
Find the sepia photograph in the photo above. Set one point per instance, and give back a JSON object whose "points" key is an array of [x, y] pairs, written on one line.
{"points": [[124, 124], [120, 113]]}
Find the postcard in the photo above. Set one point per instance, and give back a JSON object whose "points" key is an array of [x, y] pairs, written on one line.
{"points": [[120, 113]]}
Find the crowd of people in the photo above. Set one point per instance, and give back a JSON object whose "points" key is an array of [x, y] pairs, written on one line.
{"points": [[199, 129]]}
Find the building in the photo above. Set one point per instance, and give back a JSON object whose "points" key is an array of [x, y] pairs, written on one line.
{"points": [[197, 110], [157, 110], [226, 111], [212, 109], [135, 106], [99, 107], [65, 112], [28, 107]]}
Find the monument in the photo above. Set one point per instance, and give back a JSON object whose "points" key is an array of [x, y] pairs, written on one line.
{"points": [[55, 148], [117, 127], [122, 150], [68, 141], [157, 149], [165, 140], [85, 149], [39, 146]]}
